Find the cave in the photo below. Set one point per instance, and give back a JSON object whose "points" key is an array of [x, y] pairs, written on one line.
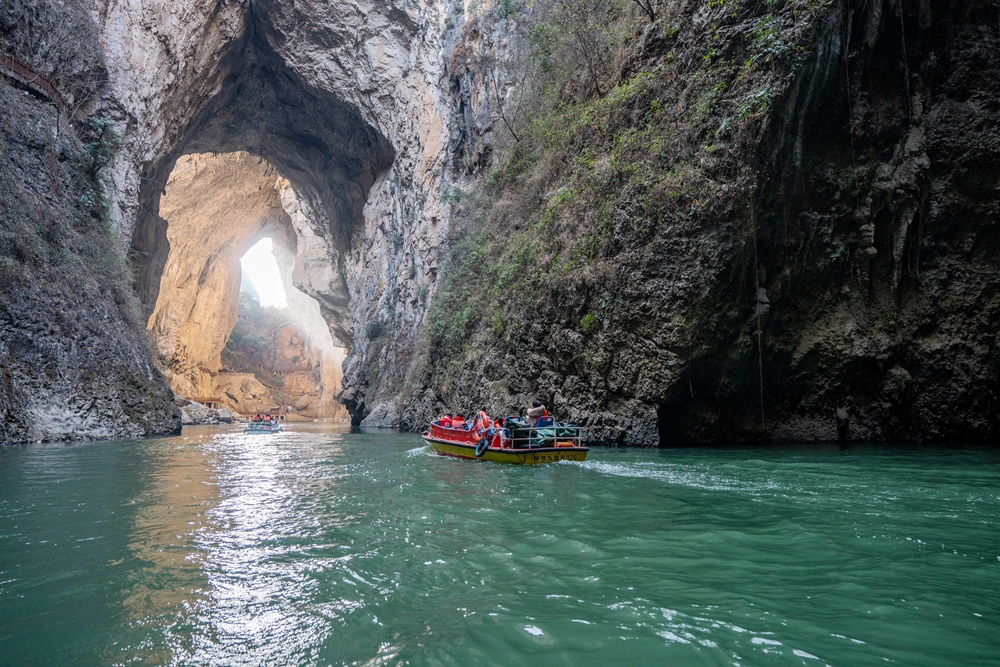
{"points": [[266, 157]]}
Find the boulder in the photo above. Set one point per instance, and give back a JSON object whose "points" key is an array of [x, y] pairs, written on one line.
{"points": [[196, 413]]}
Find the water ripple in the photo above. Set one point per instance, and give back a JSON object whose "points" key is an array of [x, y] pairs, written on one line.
{"points": [[313, 547]]}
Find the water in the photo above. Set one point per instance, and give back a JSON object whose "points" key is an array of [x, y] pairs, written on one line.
{"points": [[320, 548]]}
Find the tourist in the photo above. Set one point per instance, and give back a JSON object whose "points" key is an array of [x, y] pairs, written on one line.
{"points": [[535, 411]]}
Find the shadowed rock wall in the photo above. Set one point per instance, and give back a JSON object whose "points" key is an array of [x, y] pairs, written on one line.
{"points": [[784, 228], [73, 360]]}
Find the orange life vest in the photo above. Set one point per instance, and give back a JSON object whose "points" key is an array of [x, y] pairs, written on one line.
{"points": [[483, 423]]}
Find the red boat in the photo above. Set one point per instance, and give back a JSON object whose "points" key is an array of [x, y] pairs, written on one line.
{"points": [[527, 445]]}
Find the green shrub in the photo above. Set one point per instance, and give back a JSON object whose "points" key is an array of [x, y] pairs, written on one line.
{"points": [[375, 329]]}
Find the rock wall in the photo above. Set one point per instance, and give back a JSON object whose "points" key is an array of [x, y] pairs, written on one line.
{"points": [[769, 221], [345, 101], [73, 360], [323, 350], [779, 224], [342, 100], [879, 243], [216, 207]]}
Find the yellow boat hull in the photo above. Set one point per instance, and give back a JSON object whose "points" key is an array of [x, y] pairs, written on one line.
{"points": [[520, 456]]}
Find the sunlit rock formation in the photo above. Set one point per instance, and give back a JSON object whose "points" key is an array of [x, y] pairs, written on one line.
{"points": [[349, 104], [216, 207], [310, 333]]}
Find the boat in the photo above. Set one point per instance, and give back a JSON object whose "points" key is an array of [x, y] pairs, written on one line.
{"points": [[515, 442], [272, 426]]}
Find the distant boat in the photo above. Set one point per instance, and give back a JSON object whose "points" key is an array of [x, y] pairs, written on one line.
{"points": [[514, 443], [272, 426]]}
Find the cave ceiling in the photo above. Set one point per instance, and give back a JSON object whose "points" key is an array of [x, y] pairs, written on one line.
{"points": [[310, 137]]}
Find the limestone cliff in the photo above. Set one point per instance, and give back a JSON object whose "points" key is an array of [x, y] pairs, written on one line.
{"points": [[73, 359], [208, 233], [346, 104], [708, 221], [767, 221]]}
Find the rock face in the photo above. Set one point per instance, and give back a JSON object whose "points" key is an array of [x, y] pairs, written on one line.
{"points": [[345, 103], [789, 234], [310, 338], [349, 107], [216, 208], [279, 358], [773, 221], [73, 360]]}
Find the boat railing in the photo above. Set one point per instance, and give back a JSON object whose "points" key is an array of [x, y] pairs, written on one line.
{"points": [[556, 435]]}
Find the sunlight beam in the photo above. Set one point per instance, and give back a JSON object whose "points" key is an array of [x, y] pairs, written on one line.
{"points": [[262, 271]]}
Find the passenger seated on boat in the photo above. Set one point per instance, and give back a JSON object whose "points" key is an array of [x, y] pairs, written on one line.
{"points": [[445, 421], [499, 436], [458, 421], [535, 411]]}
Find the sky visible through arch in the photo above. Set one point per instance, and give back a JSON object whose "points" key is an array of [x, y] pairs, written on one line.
{"points": [[262, 270]]}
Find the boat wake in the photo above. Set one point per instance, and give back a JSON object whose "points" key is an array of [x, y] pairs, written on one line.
{"points": [[683, 476]]}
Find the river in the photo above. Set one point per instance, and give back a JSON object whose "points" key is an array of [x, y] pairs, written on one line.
{"points": [[319, 547]]}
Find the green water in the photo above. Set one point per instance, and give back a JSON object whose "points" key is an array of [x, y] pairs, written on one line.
{"points": [[322, 548]]}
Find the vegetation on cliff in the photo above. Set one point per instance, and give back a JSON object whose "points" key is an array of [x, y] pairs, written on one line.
{"points": [[626, 144], [275, 350], [729, 230], [250, 348]]}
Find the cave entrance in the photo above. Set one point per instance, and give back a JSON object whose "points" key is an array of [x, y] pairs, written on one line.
{"points": [[230, 325], [263, 155]]}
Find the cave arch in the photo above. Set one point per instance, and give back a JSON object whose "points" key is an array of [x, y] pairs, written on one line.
{"points": [[290, 161], [329, 155]]}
